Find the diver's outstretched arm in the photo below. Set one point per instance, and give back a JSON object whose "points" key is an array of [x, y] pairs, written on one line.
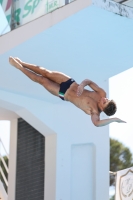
{"points": [[97, 122]]}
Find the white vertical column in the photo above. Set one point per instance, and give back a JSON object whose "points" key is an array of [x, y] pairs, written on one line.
{"points": [[83, 172], [12, 160], [50, 168]]}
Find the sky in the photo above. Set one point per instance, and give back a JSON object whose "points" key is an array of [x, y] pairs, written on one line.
{"points": [[5, 135]]}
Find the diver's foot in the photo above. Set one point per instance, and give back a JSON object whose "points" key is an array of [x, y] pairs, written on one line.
{"points": [[17, 59], [15, 63]]}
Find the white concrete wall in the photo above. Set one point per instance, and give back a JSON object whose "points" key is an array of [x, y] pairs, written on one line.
{"points": [[12, 159], [77, 151], [77, 138], [3, 194]]}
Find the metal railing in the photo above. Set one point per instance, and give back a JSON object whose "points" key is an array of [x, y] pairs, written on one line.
{"points": [[4, 169]]}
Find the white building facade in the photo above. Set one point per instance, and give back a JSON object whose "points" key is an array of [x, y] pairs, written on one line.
{"points": [[76, 153]]}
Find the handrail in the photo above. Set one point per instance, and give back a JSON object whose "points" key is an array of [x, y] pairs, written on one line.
{"points": [[4, 163], [4, 148], [3, 175], [4, 167]]}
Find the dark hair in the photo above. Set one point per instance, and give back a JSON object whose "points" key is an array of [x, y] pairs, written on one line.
{"points": [[111, 108]]}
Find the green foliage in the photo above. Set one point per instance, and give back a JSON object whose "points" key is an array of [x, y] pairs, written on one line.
{"points": [[112, 198], [120, 158], [6, 160]]}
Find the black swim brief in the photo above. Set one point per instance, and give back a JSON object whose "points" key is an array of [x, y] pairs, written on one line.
{"points": [[64, 86]]}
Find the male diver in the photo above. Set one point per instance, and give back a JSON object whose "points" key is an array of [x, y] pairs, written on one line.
{"points": [[63, 86]]}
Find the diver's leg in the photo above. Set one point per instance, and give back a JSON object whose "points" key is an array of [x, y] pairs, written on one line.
{"points": [[49, 85], [55, 76]]}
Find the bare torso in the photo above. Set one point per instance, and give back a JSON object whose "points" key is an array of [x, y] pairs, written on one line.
{"points": [[86, 102]]}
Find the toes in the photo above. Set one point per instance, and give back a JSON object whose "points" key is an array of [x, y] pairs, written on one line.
{"points": [[10, 59], [16, 58], [15, 63]]}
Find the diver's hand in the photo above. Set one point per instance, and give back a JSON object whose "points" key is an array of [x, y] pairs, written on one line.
{"points": [[80, 89], [119, 120]]}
